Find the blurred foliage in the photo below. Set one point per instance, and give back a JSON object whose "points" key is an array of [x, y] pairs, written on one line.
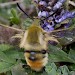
{"points": [[5, 11], [12, 58], [52, 69], [14, 18], [27, 23]]}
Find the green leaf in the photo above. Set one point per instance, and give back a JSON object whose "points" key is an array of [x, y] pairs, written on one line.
{"points": [[9, 53], [64, 70], [8, 56], [5, 58], [8, 73], [14, 17], [72, 54], [72, 67], [27, 2], [58, 55], [51, 69], [4, 47], [14, 12], [27, 23], [18, 70], [72, 73], [58, 72], [4, 66], [73, 22], [14, 53]]}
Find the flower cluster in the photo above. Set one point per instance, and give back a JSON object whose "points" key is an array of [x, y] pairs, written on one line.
{"points": [[51, 13]]}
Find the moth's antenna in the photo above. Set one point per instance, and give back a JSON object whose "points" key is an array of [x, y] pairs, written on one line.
{"points": [[23, 10]]}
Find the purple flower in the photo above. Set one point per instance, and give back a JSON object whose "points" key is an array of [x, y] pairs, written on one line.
{"points": [[43, 14], [66, 15], [43, 3], [52, 23], [61, 1], [47, 27], [58, 4], [68, 24], [70, 14], [50, 18]]}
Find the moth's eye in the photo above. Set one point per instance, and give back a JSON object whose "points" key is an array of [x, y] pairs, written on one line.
{"points": [[43, 51]]}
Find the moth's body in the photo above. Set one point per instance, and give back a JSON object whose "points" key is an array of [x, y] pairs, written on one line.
{"points": [[33, 39], [35, 42]]}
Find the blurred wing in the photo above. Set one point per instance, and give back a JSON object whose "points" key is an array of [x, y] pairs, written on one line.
{"points": [[64, 36], [7, 32]]}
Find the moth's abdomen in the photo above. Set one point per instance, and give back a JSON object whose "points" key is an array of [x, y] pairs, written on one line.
{"points": [[37, 65]]}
